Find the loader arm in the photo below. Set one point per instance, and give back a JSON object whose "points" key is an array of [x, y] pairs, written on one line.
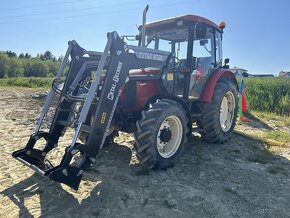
{"points": [[118, 59]]}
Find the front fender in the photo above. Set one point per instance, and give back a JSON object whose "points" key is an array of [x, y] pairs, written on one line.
{"points": [[208, 89]]}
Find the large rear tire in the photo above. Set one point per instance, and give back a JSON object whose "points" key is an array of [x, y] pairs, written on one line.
{"points": [[161, 134], [219, 117]]}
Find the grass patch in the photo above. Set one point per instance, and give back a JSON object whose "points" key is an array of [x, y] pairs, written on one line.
{"points": [[142, 172], [231, 191], [29, 82], [281, 124], [281, 136], [278, 170], [237, 151], [279, 121], [264, 157], [169, 204], [276, 135]]}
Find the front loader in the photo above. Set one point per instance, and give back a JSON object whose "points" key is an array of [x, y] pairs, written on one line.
{"points": [[162, 92]]}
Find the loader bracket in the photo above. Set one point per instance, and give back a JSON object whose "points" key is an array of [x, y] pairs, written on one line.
{"points": [[34, 158], [64, 173]]}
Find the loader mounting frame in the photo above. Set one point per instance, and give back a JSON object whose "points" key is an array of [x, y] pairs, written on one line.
{"points": [[118, 61]]}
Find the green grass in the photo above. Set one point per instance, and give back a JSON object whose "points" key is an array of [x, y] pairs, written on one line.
{"points": [[281, 123], [231, 191], [279, 135], [263, 157], [276, 135], [30, 82], [169, 204], [142, 172], [278, 170]]}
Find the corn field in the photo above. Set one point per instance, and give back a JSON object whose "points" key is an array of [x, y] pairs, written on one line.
{"points": [[268, 94]]}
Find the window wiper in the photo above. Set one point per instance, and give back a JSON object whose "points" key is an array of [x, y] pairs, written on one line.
{"points": [[207, 49], [151, 40]]}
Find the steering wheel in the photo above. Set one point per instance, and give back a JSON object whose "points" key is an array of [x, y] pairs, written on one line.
{"points": [[176, 61]]}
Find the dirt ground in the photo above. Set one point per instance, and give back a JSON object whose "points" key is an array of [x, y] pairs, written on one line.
{"points": [[236, 179]]}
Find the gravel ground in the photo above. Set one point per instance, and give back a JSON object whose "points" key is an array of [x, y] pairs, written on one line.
{"points": [[237, 179]]}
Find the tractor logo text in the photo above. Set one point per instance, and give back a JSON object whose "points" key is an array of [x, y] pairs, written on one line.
{"points": [[115, 81], [150, 56]]}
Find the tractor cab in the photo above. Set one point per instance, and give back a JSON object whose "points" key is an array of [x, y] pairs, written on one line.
{"points": [[195, 44]]}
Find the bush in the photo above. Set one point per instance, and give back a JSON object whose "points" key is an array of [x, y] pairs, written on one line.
{"points": [[42, 66], [10, 67], [30, 82], [35, 68]]}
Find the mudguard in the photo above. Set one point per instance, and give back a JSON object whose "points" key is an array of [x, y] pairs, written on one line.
{"points": [[208, 89]]}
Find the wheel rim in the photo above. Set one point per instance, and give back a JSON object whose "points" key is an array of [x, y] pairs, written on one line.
{"points": [[227, 108], [169, 136]]}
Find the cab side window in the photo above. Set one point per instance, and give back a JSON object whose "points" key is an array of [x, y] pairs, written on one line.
{"points": [[218, 42], [203, 50]]}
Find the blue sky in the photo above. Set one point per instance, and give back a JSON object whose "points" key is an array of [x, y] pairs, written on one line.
{"points": [[257, 36]]}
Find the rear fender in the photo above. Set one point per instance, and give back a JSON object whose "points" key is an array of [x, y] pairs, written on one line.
{"points": [[208, 89]]}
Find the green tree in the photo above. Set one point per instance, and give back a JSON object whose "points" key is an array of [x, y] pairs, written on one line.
{"points": [[60, 58], [47, 55], [27, 56], [11, 54], [21, 55], [26, 63], [3, 65], [38, 68], [53, 67], [15, 68]]}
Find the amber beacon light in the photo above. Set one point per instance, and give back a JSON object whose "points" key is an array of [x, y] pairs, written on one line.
{"points": [[222, 25]]}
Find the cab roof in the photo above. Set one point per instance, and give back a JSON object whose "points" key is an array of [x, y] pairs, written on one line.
{"points": [[174, 20]]}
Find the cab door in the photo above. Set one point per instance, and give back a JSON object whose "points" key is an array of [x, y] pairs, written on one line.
{"points": [[204, 50]]}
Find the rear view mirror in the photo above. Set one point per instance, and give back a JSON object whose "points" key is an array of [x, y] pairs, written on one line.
{"points": [[200, 30], [138, 37], [227, 60], [203, 42]]}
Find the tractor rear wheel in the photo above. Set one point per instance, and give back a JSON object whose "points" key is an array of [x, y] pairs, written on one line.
{"points": [[219, 117], [161, 134]]}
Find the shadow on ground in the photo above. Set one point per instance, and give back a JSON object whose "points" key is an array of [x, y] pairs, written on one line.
{"points": [[261, 124], [238, 178]]}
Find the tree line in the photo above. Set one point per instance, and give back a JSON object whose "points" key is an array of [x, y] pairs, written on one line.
{"points": [[24, 65]]}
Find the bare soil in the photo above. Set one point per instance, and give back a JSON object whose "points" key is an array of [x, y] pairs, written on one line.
{"points": [[237, 179]]}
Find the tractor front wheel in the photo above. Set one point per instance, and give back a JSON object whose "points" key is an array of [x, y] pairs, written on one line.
{"points": [[113, 133], [161, 134]]}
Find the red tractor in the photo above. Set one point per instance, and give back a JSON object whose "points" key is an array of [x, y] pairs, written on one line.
{"points": [[170, 85]]}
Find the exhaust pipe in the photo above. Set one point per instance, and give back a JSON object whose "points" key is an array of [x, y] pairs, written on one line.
{"points": [[143, 26]]}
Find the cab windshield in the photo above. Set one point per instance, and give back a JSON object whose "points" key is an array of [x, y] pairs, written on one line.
{"points": [[206, 46], [171, 40]]}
